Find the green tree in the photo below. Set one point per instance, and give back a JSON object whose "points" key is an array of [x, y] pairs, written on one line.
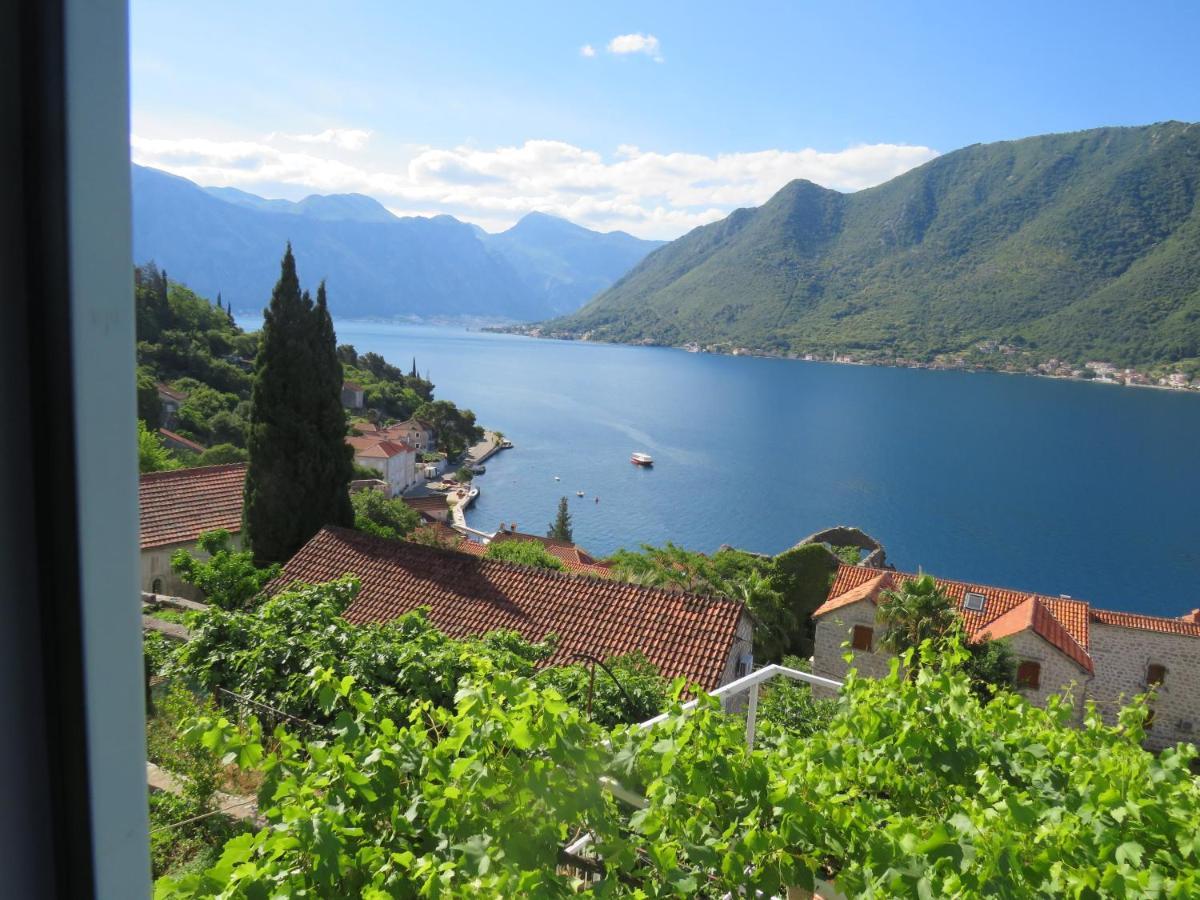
{"points": [[560, 528], [919, 611], [464, 475], [376, 514], [152, 455], [300, 465], [524, 553], [803, 576], [149, 406], [227, 577], [220, 454]]}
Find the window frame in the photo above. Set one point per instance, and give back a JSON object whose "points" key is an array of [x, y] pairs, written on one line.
{"points": [[859, 630], [1023, 681]]}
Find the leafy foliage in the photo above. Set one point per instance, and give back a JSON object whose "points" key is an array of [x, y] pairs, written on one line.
{"points": [[456, 429], [1079, 246], [920, 611], [752, 579], [152, 455], [630, 690], [915, 787], [228, 578], [268, 654], [524, 553], [376, 514]]}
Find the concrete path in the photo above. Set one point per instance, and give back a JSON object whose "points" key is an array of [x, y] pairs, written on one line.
{"points": [[484, 449], [237, 806]]}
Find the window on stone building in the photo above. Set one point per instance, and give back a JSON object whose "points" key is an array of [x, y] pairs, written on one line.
{"points": [[862, 637], [1155, 674], [1029, 675]]}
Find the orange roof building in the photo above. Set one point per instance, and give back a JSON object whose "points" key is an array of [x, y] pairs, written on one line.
{"points": [[706, 641], [175, 508], [1061, 642]]}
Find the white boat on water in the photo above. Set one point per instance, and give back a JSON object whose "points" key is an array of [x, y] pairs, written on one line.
{"points": [[579, 493], [642, 459]]}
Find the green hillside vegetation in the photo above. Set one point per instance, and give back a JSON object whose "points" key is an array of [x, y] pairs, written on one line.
{"points": [[195, 347], [1079, 246]]}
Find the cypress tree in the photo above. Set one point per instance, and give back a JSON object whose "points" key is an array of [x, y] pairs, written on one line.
{"points": [[560, 528], [299, 463]]}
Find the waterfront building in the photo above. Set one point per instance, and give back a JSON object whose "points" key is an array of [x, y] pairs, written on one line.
{"points": [[1060, 642]]}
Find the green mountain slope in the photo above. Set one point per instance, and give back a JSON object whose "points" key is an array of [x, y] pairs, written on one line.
{"points": [[1082, 245]]}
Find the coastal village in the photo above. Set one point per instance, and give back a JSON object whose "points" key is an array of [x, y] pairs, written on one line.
{"points": [[1062, 644], [983, 356]]}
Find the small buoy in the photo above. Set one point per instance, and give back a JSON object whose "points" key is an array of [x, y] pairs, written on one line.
{"points": [[597, 499]]}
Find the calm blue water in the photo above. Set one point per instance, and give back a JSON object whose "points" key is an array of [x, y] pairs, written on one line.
{"points": [[1059, 487]]}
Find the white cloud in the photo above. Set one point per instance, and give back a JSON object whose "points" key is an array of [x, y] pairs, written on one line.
{"points": [[346, 138], [624, 44], [648, 193], [587, 50]]}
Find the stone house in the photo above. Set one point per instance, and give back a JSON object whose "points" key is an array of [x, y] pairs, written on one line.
{"points": [[352, 395], [417, 434], [432, 507], [1060, 642], [171, 400], [395, 461], [175, 508], [707, 641]]}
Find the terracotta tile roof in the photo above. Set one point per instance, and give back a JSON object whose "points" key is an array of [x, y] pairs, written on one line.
{"points": [[170, 393], [351, 386], [372, 447], [1032, 615], [1184, 625], [429, 502], [680, 633], [178, 440], [868, 590], [1071, 614], [176, 507]]}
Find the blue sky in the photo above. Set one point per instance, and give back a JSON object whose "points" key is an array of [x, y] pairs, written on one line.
{"points": [[682, 111]]}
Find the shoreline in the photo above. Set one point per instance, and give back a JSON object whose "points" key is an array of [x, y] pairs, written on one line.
{"points": [[1194, 388]]}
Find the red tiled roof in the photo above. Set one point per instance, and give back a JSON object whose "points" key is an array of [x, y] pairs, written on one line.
{"points": [[170, 392], [372, 447], [351, 386], [680, 633], [176, 507], [868, 590], [1183, 625], [178, 440], [435, 502], [1071, 614], [1032, 615]]}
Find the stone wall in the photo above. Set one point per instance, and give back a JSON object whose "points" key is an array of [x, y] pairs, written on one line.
{"points": [[833, 630], [156, 564], [1058, 673], [1122, 657], [849, 536], [743, 644]]}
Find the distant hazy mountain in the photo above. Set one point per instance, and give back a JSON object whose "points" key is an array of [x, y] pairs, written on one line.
{"points": [[565, 262], [377, 264], [1079, 245]]}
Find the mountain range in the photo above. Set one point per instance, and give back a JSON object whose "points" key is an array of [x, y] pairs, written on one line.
{"points": [[1083, 245], [227, 241]]}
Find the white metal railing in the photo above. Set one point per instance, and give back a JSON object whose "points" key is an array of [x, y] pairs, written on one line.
{"points": [[747, 683]]}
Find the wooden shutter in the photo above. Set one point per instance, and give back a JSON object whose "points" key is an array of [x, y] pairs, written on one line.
{"points": [[1029, 675], [862, 637]]}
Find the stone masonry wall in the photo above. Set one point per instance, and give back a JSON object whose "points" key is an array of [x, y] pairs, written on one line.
{"points": [[833, 630], [1122, 657]]}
